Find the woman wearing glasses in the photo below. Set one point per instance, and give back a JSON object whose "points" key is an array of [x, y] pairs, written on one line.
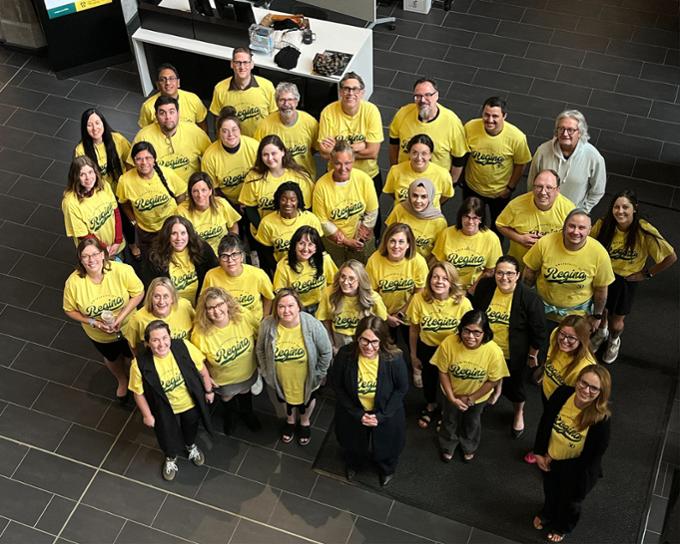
{"points": [[572, 437], [470, 366], [517, 320], [370, 380]]}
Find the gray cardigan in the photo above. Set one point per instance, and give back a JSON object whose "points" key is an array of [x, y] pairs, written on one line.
{"points": [[317, 344]]}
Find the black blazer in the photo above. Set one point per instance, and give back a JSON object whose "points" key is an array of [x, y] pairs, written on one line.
{"points": [[206, 261], [527, 318]]}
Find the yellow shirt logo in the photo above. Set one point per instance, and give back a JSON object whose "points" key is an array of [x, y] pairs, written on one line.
{"points": [[227, 355]]}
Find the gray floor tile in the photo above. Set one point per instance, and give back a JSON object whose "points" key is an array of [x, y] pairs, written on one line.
{"points": [[63, 250], [223, 452], [95, 378], [15, 533], [121, 456], [651, 538], [13, 138], [65, 107], [115, 418], [54, 474], [278, 470], [23, 98], [412, 45], [118, 79], [86, 445], [369, 532], [51, 147], [11, 455], [267, 437], [26, 238], [70, 131], [71, 404], [72, 339], [9, 349], [41, 123], [502, 81], [124, 498], [55, 515], [473, 23], [131, 103], [195, 522], [136, 431], [249, 532], [38, 190], [29, 325], [31, 427], [351, 498], [87, 92], [44, 270], [134, 533], [17, 292], [428, 525], [18, 387], [21, 502], [6, 112], [482, 537], [7, 180], [49, 302], [47, 83], [14, 209], [91, 526]]}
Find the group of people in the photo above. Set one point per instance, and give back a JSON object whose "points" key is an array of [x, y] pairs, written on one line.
{"points": [[204, 268]]}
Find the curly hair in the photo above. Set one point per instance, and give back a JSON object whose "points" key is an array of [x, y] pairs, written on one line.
{"points": [[202, 322], [162, 251]]}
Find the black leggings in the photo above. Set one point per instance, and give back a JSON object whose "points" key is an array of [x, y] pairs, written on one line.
{"points": [[188, 424], [430, 372]]}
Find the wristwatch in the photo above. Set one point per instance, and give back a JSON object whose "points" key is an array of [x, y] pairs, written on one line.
{"points": [[648, 275]]}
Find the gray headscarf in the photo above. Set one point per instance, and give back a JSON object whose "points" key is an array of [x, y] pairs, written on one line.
{"points": [[428, 213]]}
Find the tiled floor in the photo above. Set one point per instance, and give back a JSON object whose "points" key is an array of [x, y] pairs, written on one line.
{"points": [[76, 467]]}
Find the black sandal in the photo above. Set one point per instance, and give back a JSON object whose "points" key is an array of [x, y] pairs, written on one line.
{"points": [[304, 435], [288, 433], [427, 417]]}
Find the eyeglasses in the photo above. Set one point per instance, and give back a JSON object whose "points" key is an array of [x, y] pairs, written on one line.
{"points": [[419, 97], [231, 256], [472, 332], [211, 308], [348, 90], [566, 130], [567, 338], [241, 62], [508, 274], [168, 79], [541, 188], [90, 256], [592, 388], [472, 217], [365, 342]]}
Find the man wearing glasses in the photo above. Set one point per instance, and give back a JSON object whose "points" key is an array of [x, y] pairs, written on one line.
{"points": [[427, 116], [529, 217], [190, 105], [578, 163], [252, 96]]}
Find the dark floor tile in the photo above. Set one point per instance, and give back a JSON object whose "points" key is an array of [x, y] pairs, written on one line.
{"points": [[9, 349], [90, 77], [195, 522], [71, 404], [404, 28], [648, 53], [311, 519], [43, 270], [86, 445], [249, 532], [23, 98], [553, 53], [6, 112], [535, 106], [650, 193], [23, 163], [499, 44], [308, 452], [500, 80], [383, 77], [124, 498], [96, 379], [472, 94], [495, 9], [47, 84], [48, 302], [412, 45], [427, 524], [383, 41], [657, 72], [7, 73], [29, 325], [63, 251], [620, 102], [351, 498], [267, 437], [21, 502], [133, 101], [42, 123], [601, 118], [560, 91], [657, 512], [134, 533], [105, 96], [405, 63], [70, 131], [587, 78], [642, 147], [472, 23], [11, 455], [655, 36], [245, 497], [39, 64], [631, 16], [50, 147], [578, 40], [278, 470], [13, 138], [323, 414], [15, 533], [520, 31], [118, 79], [441, 71], [619, 163], [444, 35], [7, 180], [55, 515], [57, 105], [136, 431], [651, 538], [72, 339], [120, 456], [482, 537], [612, 64], [656, 171], [652, 128], [14, 209], [665, 111], [551, 20], [223, 452], [474, 57], [649, 89], [54, 474], [121, 121], [369, 532], [38, 190], [591, 25], [18, 387], [88, 525]]}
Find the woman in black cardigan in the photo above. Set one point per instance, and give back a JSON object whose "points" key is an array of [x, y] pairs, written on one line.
{"points": [[370, 381], [181, 255], [572, 436], [520, 334]]}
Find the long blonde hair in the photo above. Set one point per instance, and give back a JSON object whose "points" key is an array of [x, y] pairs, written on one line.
{"points": [[582, 327], [456, 290], [202, 321], [364, 291], [597, 410], [163, 282]]}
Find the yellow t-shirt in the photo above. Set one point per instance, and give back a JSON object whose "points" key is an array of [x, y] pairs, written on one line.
{"points": [[252, 104], [364, 126], [566, 278], [555, 368], [180, 320], [229, 170], [469, 369], [401, 175], [498, 313], [171, 378], [308, 286], [276, 232], [446, 131], [396, 282], [230, 351], [492, 158], [181, 152], [345, 320], [367, 381], [425, 231], [122, 150], [626, 262], [119, 285], [93, 215], [183, 275], [469, 254], [344, 204], [248, 288], [299, 138], [151, 203], [211, 225], [522, 215], [290, 356], [437, 319], [566, 440], [191, 109]]}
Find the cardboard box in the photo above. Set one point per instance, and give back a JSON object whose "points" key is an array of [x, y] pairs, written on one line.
{"points": [[418, 6]]}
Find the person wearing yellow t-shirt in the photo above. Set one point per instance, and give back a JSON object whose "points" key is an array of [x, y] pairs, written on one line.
{"points": [[346, 203], [306, 268], [529, 217], [348, 299], [470, 245], [470, 366], [89, 207], [433, 314], [179, 144], [631, 242], [161, 302], [571, 271], [498, 157], [251, 96], [427, 116], [101, 295], [297, 129], [172, 390], [418, 166], [226, 336], [250, 286], [294, 353], [148, 195], [191, 108], [211, 217], [418, 212]]}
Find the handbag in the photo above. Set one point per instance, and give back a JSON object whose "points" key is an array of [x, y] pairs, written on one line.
{"points": [[330, 63]]}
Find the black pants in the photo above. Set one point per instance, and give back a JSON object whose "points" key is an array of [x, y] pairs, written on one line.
{"points": [[496, 206], [430, 372], [378, 184], [514, 385], [356, 458], [562, 507], [188, 424]]}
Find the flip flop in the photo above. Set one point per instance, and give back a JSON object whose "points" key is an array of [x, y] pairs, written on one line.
{"points": [[288, 433]]}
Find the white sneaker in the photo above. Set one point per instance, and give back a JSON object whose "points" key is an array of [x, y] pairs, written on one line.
{"points": [[169, 468], [195, 455], [257, 387], [597, 338], [612, 350]]}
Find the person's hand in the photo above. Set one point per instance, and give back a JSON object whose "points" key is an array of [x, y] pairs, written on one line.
{"points": [[210, 397], [543, 462], [529, 239], [113, 250], [505, 193], [416, 363], [459, 403], [364, 232], [594, 323], [104, 327], [149, 421], [532, 362], [358, 147], [327, 144], [394, 321], [369, 420], [356, 245]]}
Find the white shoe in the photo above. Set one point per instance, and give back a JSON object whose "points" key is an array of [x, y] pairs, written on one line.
{"points": [[257, 387], [597, 338], [612, 350], [169, 468], [195, 455]]}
